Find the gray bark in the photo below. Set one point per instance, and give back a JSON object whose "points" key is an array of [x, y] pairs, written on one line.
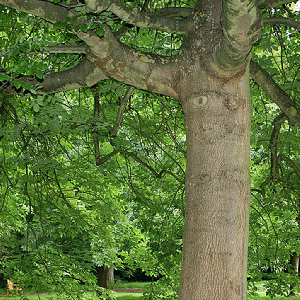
{"points": [[215, 240]]}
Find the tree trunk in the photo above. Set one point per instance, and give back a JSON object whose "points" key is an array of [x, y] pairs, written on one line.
{"points": [[111, 276], [105, 276], [217, 189], [295, 260]]}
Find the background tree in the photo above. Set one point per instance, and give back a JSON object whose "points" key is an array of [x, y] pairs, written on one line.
{"points": [[209, 74]]}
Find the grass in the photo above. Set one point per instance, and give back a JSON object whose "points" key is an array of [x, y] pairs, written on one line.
{"points": [[262, 294], [129, 296], [51, 296], [137, 296], [125, 296], [124, 284], [275, 298]]}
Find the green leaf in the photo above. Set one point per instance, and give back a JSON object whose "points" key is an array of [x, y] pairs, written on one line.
{"points": [[262, 6], [60, 24], [77, 27], [39, 74], [3, 77], [80, 9], [27, 86], [17, 83], [36, 107], [40, 101], [100, 30], [84, 28], [15, 52]]}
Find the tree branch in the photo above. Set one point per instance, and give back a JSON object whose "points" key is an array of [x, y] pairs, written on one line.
{"points": [[152, 170], [274, 3], [123, 103], [273, 145], [61, 190], [139, 18], [79, 49], [137, 159], [282, 21], [241, 24], [173, 12], [112, 60], [82, 75], [274, 91], [147, 71], [45, 10], [264, 184], [291, 163], [107, 157], [96, 116]]}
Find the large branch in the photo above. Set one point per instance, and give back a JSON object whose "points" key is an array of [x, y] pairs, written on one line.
{"points": [[241, 24], [173, 12], [138, 18], [274, 91], [43, 9], [82, 75], [146, 71]]}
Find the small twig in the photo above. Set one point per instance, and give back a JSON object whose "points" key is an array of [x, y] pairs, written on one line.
{"points": [[264, 184], [137, 159], [61, 190], [107, 157], [291, 163]]}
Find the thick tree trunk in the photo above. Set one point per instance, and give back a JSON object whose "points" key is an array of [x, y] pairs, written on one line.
{"points": [[217, 190]]}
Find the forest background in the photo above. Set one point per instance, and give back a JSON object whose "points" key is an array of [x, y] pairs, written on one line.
{"points": [[93, 178]]}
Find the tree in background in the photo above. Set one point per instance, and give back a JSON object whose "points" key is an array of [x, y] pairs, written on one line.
{"points": [[198, 53]]}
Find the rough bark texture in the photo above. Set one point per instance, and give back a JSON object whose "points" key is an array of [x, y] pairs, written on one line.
{"points": [[217, 189]]}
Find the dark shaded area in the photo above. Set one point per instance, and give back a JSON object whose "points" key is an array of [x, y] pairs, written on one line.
{"points": [[132, 276]]}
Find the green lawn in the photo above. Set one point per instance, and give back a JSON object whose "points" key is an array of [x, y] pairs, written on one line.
{"points": [[125, 296], [134, 296], [276, 298], [52, 296], [129, 296]]}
